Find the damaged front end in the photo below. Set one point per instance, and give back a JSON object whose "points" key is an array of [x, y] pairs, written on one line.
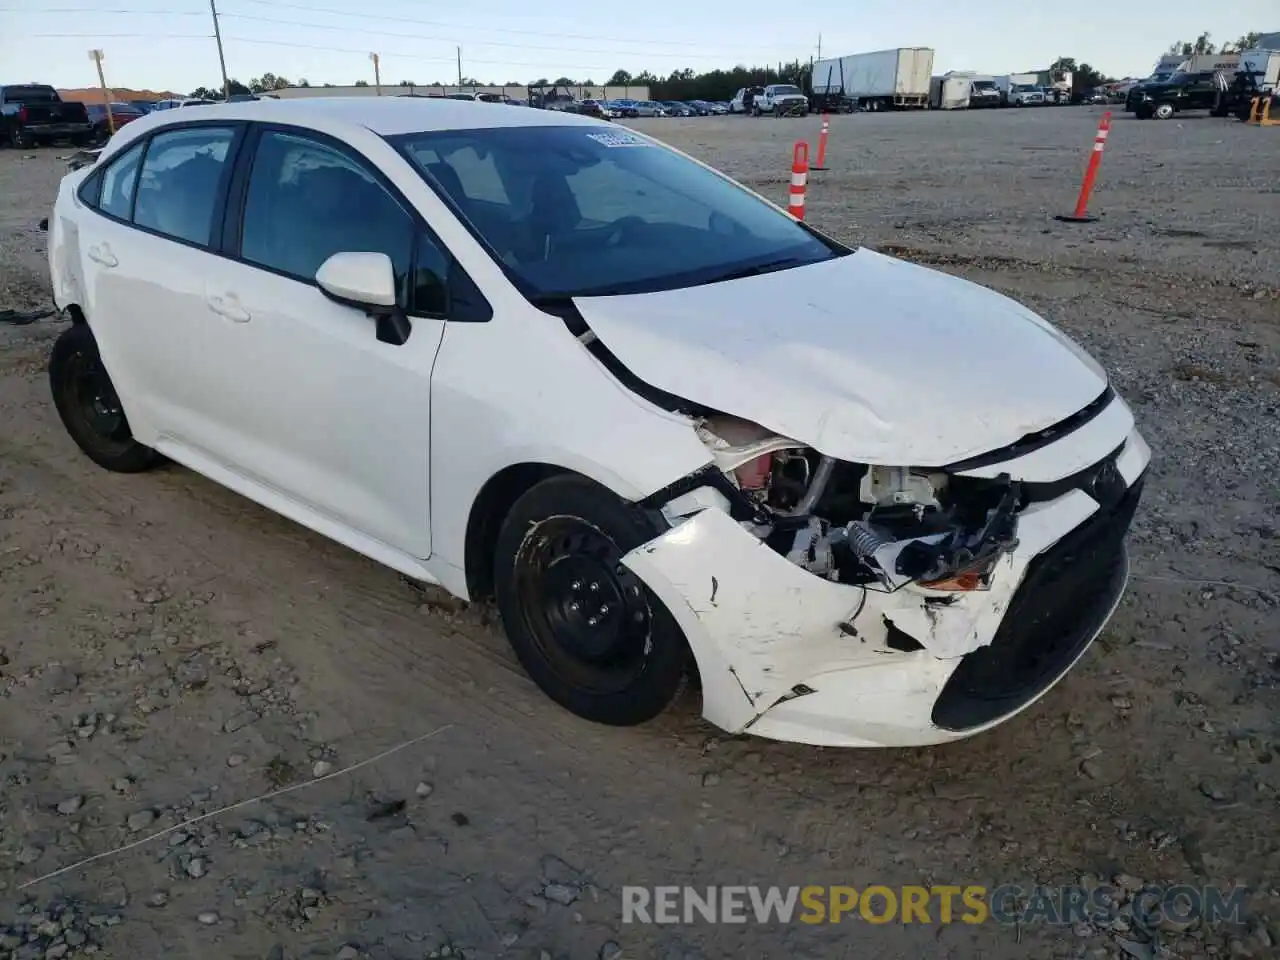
{"points": [[873, 526], [858, 604]]}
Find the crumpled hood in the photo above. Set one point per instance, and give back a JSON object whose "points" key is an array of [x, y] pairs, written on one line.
{"points": [[864, 358]]}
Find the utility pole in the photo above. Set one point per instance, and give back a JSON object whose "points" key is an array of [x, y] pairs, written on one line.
{"points": [[377, 74], [222, 60], [96, 57], [819, 46], [459, 68]]}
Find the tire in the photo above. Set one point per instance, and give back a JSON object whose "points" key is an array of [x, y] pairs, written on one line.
{"points": [[623, 662], [89, 407], [1164, 111], [19, 139]]}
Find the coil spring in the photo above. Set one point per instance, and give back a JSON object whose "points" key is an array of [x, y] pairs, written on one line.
{"points": [[864, 540]]}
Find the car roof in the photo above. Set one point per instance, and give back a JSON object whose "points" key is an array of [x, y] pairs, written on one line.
{"points": [[386, 116]]}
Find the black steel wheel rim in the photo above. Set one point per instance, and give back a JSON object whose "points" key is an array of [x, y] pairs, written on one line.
{"points": [[588, 615], [93, 398]]}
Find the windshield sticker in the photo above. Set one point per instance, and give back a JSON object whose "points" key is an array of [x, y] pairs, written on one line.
{"points": [[618, 140]]}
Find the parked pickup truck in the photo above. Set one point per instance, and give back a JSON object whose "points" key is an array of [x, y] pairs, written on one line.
{"points": [[779, 98], [34, 113], [1184, 91]]}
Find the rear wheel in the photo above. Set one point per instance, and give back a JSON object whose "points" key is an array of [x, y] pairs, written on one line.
{"points": [[89, 407], [587, 629]]}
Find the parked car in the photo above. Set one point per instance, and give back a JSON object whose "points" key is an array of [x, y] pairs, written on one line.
{"points": [[1182, 92], [174, 104], [625, 108], [657, 418], [650, 108], [1025, 95], [121, 113], [678, 108], [146, 106], [33, 113], [1133, 96], [596, 108]]}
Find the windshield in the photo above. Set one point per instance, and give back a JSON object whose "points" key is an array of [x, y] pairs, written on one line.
{"points": [[34, 94], [1026, 88], [787, 91], [584, 210], [984, 84]]}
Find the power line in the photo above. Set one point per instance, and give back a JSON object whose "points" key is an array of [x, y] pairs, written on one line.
{"points": [[409, 20], [143, 36], [164, 13], [453, 40], [457, 26], [416, 57]]}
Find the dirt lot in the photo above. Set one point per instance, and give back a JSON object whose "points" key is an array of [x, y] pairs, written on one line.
{"points": [[167, 648]]}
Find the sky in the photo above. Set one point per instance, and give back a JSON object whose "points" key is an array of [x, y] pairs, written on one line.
{"points": [[168, 44]]}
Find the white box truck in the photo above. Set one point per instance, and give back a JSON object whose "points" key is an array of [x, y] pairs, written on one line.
{"points": [[884, 80], [950, 91]]}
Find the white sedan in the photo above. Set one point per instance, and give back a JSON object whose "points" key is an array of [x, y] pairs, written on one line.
{"points": [[674, 432]]}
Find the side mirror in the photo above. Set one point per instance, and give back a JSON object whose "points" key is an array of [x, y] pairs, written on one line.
{"points": [[366, 281]]}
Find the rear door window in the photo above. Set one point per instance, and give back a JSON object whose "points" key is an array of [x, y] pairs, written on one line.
{"points": [[182, 179]]}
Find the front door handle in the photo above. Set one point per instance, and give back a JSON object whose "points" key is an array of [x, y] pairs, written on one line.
{"points": [[230, 308], [101, 253]]}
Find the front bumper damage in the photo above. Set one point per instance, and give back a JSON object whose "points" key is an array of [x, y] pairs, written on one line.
{"points": [[791, 656]]}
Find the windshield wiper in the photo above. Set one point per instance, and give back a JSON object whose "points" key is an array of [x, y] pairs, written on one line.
{"points": [[755, 270]]}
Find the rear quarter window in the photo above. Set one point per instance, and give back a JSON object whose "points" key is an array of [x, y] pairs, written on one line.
{"points": [[119, 182]]}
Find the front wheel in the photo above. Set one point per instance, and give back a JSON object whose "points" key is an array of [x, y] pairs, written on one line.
{"points": [[587, 629], [1164, 111], [89, 407]]}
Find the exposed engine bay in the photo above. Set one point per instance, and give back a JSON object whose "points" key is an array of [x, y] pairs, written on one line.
{"points": [[875, 526]]}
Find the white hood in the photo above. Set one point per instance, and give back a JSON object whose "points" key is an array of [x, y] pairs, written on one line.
{"points": [[863, 358]]}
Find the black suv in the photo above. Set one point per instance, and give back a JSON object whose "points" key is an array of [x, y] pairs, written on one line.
{"points": [[1182, 91]]}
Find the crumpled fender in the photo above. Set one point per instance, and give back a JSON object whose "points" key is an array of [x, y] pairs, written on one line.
{"points": [[759, 626]]}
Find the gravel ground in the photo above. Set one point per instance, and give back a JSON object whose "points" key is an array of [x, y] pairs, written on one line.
{"points": [[167, 648]]}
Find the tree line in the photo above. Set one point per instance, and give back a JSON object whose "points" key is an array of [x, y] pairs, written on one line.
{"points": [[683, 84], [1204, 45]]}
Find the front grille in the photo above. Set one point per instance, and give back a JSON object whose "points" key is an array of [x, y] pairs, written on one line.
{"points": [[1064, 599]]}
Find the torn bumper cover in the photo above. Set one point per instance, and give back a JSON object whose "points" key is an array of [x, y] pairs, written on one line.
{"points": [[791, 656]]}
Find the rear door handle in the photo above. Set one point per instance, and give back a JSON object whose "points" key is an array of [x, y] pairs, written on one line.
{"points": [[229, 307], [102, 254]]}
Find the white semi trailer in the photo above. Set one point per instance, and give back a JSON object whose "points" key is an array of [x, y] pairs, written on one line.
{"points": [[884, 80]]}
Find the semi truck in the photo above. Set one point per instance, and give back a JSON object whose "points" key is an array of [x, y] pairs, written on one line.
{"points": [[895, 79]]}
